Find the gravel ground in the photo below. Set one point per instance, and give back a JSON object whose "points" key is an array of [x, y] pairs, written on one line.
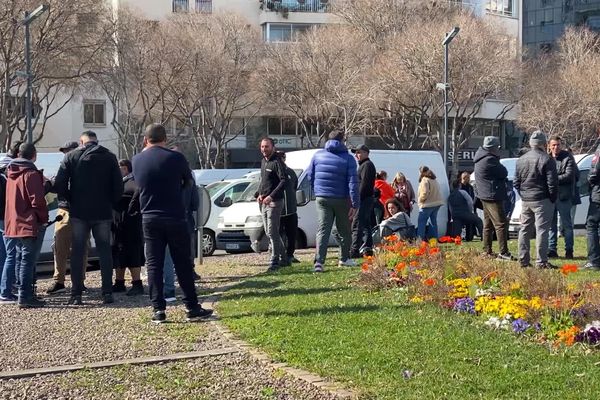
{"points": [[235, 376], [62, 335]]}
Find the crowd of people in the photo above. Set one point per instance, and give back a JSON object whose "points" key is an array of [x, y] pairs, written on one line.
{"points": [[365, 207], [140, 212]]}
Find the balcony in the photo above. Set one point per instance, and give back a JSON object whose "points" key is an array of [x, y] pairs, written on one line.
{"points": [[287, 6], [204, 6]]}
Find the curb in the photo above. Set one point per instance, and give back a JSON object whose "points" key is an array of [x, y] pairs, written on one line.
{"points": [[334, 388]]}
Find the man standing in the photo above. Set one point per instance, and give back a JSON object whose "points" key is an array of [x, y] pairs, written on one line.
{"points": [[289, 215], [62, 238], [161, 175], [361, 225], [333, 180], [89, 179], [592, 224], [536, 182], [26, 211], [490, 183], [270, 197], [567, 182]]}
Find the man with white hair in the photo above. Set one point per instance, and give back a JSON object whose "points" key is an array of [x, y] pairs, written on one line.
{"points": [[536, 181]]}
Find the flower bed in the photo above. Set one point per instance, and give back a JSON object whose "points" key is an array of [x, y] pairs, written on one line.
{"points": [[539, 304]]}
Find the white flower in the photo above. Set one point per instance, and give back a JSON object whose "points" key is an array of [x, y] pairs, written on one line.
{"points": [[594, 324]]}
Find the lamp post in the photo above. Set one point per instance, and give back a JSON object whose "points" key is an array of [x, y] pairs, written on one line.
{"points": [[446, 43], [29, 18]]}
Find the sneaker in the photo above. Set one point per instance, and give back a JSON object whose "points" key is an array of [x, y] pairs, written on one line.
{"points": [[197, 314], [546, 265], [31, 303], [347, 263], [255, 246], [75, 300], [505, 257], [552, 254], [108, 298], [56, 288], [119, 287], [590, 267], [137, 289], [274, 266], [159, 316], [171, 299], [11, 299], [294, 260], [569, 255], [318, 267]]}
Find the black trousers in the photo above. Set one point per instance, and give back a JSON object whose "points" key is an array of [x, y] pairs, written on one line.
{"points": [[289, 226], [158, 234]]}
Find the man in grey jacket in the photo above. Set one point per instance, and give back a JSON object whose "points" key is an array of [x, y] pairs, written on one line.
{"points": [[536, 181], [567, 183]]}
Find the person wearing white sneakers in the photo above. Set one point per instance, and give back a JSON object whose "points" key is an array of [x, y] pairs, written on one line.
{"points": [[333, 179]]}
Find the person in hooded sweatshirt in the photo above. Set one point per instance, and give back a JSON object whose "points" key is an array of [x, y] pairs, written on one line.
{"points": [[26, 211], [490, 185], [334, 181], [89, 178]]}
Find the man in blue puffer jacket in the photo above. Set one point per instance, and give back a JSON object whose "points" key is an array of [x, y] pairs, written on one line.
{"points": [[333, 178]]}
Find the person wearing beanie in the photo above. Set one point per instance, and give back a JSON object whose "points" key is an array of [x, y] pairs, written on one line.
{"points": [[536, 181], [490, 186]]}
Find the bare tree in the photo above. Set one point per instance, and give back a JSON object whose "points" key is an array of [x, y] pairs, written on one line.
{"points": [[65, 42], [560, 94], [324, 80]]}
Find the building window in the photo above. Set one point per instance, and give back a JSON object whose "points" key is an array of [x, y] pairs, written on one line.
{"points": [[180, 6], [284, 32], [282, 126], [94, 113], [502, 7], [204, 6]]}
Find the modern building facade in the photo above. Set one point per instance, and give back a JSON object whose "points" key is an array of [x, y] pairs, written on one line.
{"points": [[545, 21]]}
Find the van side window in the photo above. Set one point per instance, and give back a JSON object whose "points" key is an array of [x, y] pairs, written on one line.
{"points": [[304, 185], [584, 186]]}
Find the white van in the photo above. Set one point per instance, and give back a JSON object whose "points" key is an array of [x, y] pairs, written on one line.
{"points": [[242, 221], [208, 176]]}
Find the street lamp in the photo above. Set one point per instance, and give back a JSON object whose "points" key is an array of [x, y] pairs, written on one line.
{"points": [[29, 18], [451, 35]]}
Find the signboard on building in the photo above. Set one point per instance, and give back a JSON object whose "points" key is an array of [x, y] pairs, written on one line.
{"points": [[463, 155]]}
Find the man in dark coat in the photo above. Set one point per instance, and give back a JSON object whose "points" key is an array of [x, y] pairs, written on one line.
{"points": [[567, 184], [89, 179], [361, 225], [289, 215], [490, 184]]}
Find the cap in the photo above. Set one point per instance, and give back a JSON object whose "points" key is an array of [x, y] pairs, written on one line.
{"points": [[490, 142], [69, 146], [538, 138], [362, 147]]}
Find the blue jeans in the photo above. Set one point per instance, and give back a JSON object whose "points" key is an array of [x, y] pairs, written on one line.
{"points": [[428, 214], [563, 209], [169, 275], [592, 224], [9, 272], [28, 249], [81, 232]]}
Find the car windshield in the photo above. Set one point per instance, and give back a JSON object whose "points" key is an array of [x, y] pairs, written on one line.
{"points": [[249, 193], [214, 187]]}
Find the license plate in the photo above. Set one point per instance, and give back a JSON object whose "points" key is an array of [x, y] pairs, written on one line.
{"points": [[232, 246], [512, 228]]}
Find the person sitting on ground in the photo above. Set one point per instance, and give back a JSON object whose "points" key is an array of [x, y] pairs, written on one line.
{"points": [[461, 208], [396, 221]]}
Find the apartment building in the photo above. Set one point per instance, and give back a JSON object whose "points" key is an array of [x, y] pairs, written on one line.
{"points": [[280, 21]]}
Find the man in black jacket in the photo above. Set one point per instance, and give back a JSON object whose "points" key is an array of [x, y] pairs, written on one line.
{"points": [[289, 215], [270, 197], [361, 225], [490, 184], [567, 183], [536, 182], [592, 223], [89, 179]]}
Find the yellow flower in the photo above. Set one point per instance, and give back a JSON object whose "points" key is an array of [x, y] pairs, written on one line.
{"points": [[515, 286], [416, 299]]}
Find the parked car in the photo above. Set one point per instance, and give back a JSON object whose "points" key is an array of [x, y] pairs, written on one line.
{"points": [[241, 223]]}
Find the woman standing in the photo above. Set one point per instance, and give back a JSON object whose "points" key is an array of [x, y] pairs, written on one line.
{"points": [[404, 191], [128, 248], [430, 201]]}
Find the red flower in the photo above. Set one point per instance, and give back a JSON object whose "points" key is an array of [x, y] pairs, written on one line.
{"points": [[568, 268], [458, 240], [429, 282]]}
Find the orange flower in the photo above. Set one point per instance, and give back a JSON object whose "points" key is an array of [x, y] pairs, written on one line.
{"points": [[434, 250], [420, 252], [567, 336], [429, 282], [458, 240], [405, 253], [446, 239], [400, 266], [414, 263], [391, 238], [365, 267], [568, 268]]}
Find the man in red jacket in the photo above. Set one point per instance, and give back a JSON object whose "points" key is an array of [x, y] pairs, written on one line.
{"points": [[25, 212]]}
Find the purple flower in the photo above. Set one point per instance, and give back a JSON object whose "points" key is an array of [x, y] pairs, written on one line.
{"points": [[589, 336], [464, 305], [520, 326]]}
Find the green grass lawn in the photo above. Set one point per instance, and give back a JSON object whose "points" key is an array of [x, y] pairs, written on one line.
{"points": [[386, 348]]}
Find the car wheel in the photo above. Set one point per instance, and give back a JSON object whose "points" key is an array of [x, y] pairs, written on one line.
{"points": [[208, 243]]}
